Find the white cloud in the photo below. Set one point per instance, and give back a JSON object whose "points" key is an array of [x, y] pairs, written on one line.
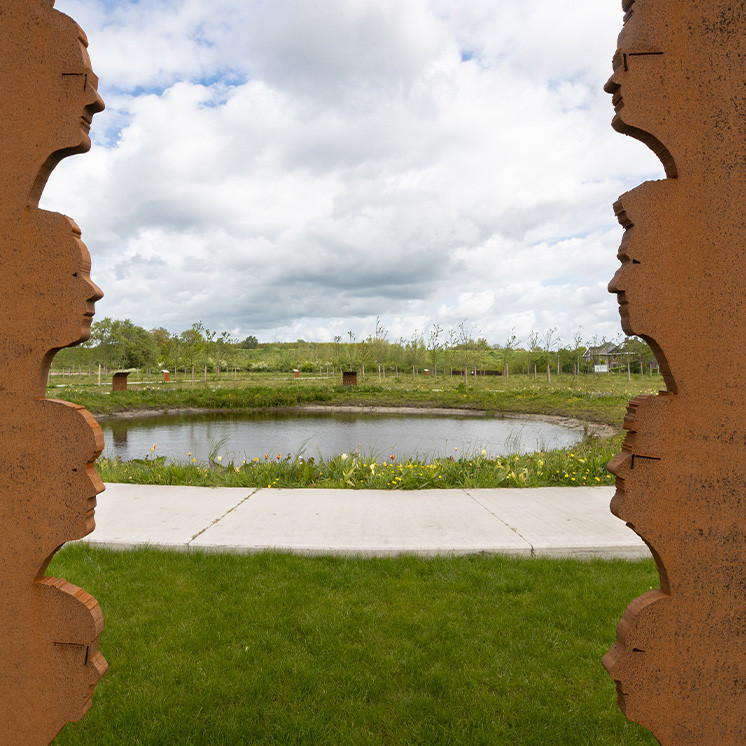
{"points": [[290, 169]]}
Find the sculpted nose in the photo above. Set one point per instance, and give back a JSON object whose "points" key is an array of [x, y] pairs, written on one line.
{"points": [[619, 466], [95, 103], [611, 86], [95, 291], [616, 285], [618, 63]]}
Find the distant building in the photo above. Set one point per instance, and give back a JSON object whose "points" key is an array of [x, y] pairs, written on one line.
{"points": [[610, 356]]}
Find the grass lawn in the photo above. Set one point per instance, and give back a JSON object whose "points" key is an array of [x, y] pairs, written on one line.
{"points": [[279, 649]]}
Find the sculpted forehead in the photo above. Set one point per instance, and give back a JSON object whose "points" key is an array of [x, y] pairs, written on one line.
{"points": [[683, 27], [646, 25], [37, 46], [33, 25]]}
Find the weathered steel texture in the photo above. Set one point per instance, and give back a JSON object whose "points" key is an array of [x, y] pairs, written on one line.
{"points": [[119, 381], [679, 86], [49, 628]]}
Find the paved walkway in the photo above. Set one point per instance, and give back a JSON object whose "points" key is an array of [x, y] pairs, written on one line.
{"points": [[548, 521]]}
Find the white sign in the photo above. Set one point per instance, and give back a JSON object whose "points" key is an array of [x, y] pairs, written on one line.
{"points": [[601, 368]]}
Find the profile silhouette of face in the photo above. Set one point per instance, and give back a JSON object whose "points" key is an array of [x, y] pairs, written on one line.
{"points": [[68, 639], [50, 296], [51, 93], [49, 484], [641, 83], [79, 99]]}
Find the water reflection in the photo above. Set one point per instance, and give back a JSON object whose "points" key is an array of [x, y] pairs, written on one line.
{"points": [[119, 437], [249, 435]]}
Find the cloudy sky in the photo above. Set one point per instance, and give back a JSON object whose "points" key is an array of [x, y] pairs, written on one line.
{"points": [[296, 168]]}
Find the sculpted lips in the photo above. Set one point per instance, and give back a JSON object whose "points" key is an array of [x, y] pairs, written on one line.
{"points": [[623, 306]]}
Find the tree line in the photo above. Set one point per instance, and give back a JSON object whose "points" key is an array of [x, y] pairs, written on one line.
{"points": [[120, 344]]}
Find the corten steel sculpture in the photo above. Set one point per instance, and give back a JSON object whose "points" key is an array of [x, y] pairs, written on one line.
{"points": [[49, 629], [679, 86]]}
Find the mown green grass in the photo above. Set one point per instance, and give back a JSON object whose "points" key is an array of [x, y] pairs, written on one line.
{"points": [[599, 398], [278, 649], [583, 465]]}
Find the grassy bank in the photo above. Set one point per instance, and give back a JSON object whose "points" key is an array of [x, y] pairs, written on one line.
{"points": [[273, 648], [585, 464], [594, 398]]}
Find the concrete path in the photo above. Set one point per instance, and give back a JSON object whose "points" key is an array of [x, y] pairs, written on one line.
{"points": [[549, 521]]}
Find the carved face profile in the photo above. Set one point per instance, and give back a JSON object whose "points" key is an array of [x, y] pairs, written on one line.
{"points": [[77, 287], [641, 83], [53, 97], [642, 282], [640, 676], [50, 473], [68, 647], [45, 267], [79, 99]]}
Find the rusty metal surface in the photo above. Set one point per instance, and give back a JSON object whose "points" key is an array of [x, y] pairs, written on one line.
{"points": [[49, 659], [679, 86], [119, 381]]}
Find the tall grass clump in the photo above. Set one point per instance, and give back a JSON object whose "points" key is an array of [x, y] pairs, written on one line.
{"points": [[583, 465]]}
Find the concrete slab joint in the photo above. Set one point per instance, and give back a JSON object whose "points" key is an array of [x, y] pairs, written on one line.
{"points": [[555, 522]]}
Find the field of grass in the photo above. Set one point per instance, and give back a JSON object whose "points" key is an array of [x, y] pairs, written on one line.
{"points": [[277, 649], [593, 398]]}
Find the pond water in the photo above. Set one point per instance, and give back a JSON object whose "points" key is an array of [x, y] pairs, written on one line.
{"points": [[247, 435]]}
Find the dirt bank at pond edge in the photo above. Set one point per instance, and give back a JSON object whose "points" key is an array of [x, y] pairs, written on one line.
{"points": [[591, 428]]}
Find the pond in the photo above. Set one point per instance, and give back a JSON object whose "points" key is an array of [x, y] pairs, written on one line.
{"points": [[242, 435]]}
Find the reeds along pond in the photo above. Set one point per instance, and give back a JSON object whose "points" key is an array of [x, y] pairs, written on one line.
{"points": [[583, 465]]}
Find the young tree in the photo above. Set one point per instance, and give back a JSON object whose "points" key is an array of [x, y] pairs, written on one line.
{"points": [[450, 350], [578, 349], [351, 356], [163, 341], [434, 347], [379, 346], [465, 342], [366, 354], [102, 338], [414, 349], [482, 349], [192, 342], [224, 350], [507, 352], [138, 348], [533, 348], [548, 340], [207, 348], [122, 344]]}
